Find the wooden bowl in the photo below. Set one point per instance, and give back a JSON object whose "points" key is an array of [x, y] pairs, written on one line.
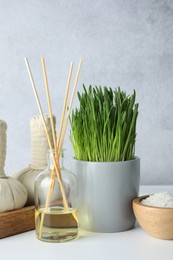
{"points": [[158, 222]]}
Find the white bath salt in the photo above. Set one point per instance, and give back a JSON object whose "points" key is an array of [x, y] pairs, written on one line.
{"points": [[162, 199]]}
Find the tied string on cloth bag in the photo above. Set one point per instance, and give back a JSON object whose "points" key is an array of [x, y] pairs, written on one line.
{"points": [[39, 149], [13, 194]]}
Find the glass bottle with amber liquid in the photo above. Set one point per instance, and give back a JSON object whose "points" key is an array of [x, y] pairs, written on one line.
{"points": [[56, 214]]}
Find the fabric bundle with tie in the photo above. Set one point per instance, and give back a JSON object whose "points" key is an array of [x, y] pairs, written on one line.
{"points": [[39, 149], [13, 194]]}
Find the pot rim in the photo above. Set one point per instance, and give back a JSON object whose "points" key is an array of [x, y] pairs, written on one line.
{"points": [[136, 158]]}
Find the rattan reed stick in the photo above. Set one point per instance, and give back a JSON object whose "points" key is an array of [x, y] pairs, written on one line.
{"points": [[54, 141], [38, 101], [49, 101], [65, 105], [70, 105]]}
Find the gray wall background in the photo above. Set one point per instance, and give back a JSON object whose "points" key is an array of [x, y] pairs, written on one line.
{"points": [[122, 42]]}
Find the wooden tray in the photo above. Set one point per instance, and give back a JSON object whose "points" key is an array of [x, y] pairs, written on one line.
{"points": [[17, 221]]}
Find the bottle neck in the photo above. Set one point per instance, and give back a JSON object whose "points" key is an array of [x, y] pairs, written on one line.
{"points": [[51, 157]]}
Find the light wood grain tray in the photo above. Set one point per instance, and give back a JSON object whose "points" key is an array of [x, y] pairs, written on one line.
{"points": [[16, 221]]}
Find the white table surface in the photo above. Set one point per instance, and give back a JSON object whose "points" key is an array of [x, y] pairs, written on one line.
{"points": [[132, 244]]}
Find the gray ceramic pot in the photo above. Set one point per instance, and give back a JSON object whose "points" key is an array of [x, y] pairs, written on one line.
{"points": [[106, 191]]}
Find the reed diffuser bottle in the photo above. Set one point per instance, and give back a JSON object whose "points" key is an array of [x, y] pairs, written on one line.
{"points": [[56, 215], [56, 188]]}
